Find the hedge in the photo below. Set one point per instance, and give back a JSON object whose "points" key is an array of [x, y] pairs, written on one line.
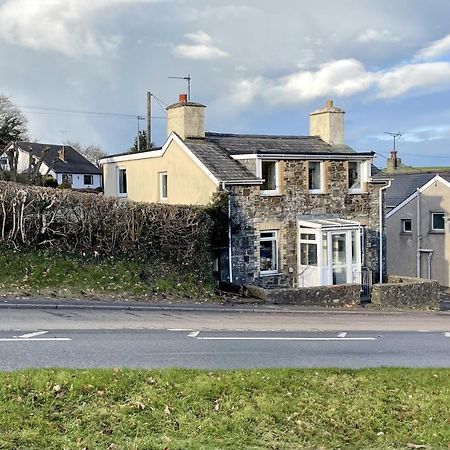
{"points": [[93, 225]]}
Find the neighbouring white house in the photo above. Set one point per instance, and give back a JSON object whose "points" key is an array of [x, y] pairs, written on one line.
{"points": [[62, 162]]}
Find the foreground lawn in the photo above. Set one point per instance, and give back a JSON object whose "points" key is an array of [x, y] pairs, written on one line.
{"points": [[252, 409], [50, 273]]}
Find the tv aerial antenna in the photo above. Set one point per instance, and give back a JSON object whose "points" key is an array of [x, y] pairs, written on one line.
{"points": [[188, 80], [394, 136]]}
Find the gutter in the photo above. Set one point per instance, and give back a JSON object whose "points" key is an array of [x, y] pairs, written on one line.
{"points": [[380, 202], [314, 157], [418, 234], [230, 255]]}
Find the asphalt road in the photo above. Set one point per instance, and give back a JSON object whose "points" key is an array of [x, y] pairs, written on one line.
{"points": [[221, 339]]}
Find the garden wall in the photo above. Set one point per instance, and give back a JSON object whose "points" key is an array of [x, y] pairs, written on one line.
{"points": [[338, 295], [401, 292]]}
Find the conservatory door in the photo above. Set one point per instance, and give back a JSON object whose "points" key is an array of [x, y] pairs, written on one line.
{"points": [[339, 264]]}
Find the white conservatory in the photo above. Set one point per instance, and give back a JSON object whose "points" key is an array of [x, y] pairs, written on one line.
{"points": [[329, 252]]}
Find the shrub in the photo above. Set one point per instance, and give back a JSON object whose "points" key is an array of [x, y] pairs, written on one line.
{"points": [[49, 181]]}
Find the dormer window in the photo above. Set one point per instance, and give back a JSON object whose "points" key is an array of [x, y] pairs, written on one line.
{"points": [[269, 173]]}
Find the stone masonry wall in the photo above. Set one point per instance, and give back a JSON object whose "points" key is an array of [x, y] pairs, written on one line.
{"points": [[338, 295], [401, 292], [253, 212]]}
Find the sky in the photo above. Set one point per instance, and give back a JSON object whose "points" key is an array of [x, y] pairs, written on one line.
{"points": [[260, 66]]}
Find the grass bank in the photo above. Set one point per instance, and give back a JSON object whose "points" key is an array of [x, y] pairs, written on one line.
{"points": [[50, 273], [251, 409]]}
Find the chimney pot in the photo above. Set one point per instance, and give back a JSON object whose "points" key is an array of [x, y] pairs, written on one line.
{"points": [[329, 104], [182, 98]]}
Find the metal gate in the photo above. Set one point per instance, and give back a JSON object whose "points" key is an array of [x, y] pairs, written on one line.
{"points": [[364, 279]]}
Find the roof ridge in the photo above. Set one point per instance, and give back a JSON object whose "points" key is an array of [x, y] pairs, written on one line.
{"points": [[261, 136]]}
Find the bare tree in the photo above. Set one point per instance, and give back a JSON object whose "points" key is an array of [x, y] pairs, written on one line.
{"points": [[92, 153]]}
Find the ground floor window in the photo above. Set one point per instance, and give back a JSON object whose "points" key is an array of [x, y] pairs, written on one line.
{"points": [[308, 249], [122, 181], [268, 252], [88, 179], [67, 178]]}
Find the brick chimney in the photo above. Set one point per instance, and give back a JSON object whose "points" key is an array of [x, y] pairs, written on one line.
{"points": [[328, 124], [186, 118], [394, 163]]}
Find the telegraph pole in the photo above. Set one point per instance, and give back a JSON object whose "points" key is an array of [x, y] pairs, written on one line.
{"points": [[149, 119]]}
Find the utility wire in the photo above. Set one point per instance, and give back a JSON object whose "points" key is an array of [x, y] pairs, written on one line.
{"points": [[162, 101], [66, 113]]}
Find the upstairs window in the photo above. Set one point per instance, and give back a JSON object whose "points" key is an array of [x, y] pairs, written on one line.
{"points": [[315, 176], [122, 182], [354, 176], [437, 221], [163, 191], [268, 252], [269, 175], [88, 179]]}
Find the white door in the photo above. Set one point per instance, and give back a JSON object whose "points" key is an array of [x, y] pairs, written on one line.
{"points": [[339, 262]]}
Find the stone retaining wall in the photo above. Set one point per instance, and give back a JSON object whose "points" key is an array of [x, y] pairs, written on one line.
{"points": [[401, 292], [339, 295]]}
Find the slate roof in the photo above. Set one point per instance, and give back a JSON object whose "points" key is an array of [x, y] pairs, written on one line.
{"points": [[73, 161], [239, 144], [219, 162], [405, 184]]}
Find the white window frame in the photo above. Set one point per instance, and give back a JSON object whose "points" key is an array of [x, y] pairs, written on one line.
{"points": [[321, 190], [403, 226], [437, 230], [273, 238], [122, 194], [161, 176], [365, 172], [314, 242], [275, 191]]}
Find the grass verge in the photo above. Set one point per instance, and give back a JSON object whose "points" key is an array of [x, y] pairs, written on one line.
{"points": [[242, 409], [50, 273]]}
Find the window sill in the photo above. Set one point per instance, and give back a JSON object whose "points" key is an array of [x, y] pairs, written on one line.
{"points": [[316, 192], [270, 274], [270, 194], [356, 191], [122, 195], [405, 233], [436, 232]]}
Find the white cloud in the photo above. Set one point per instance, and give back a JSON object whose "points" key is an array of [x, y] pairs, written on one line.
{"points": [[423, 76], [372, 35], [57, 25], [436, 48], [337, 79], [343, 78], [202, 48]]}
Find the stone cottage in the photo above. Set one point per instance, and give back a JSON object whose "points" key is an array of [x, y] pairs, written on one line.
{"points": [[303, 210]]}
